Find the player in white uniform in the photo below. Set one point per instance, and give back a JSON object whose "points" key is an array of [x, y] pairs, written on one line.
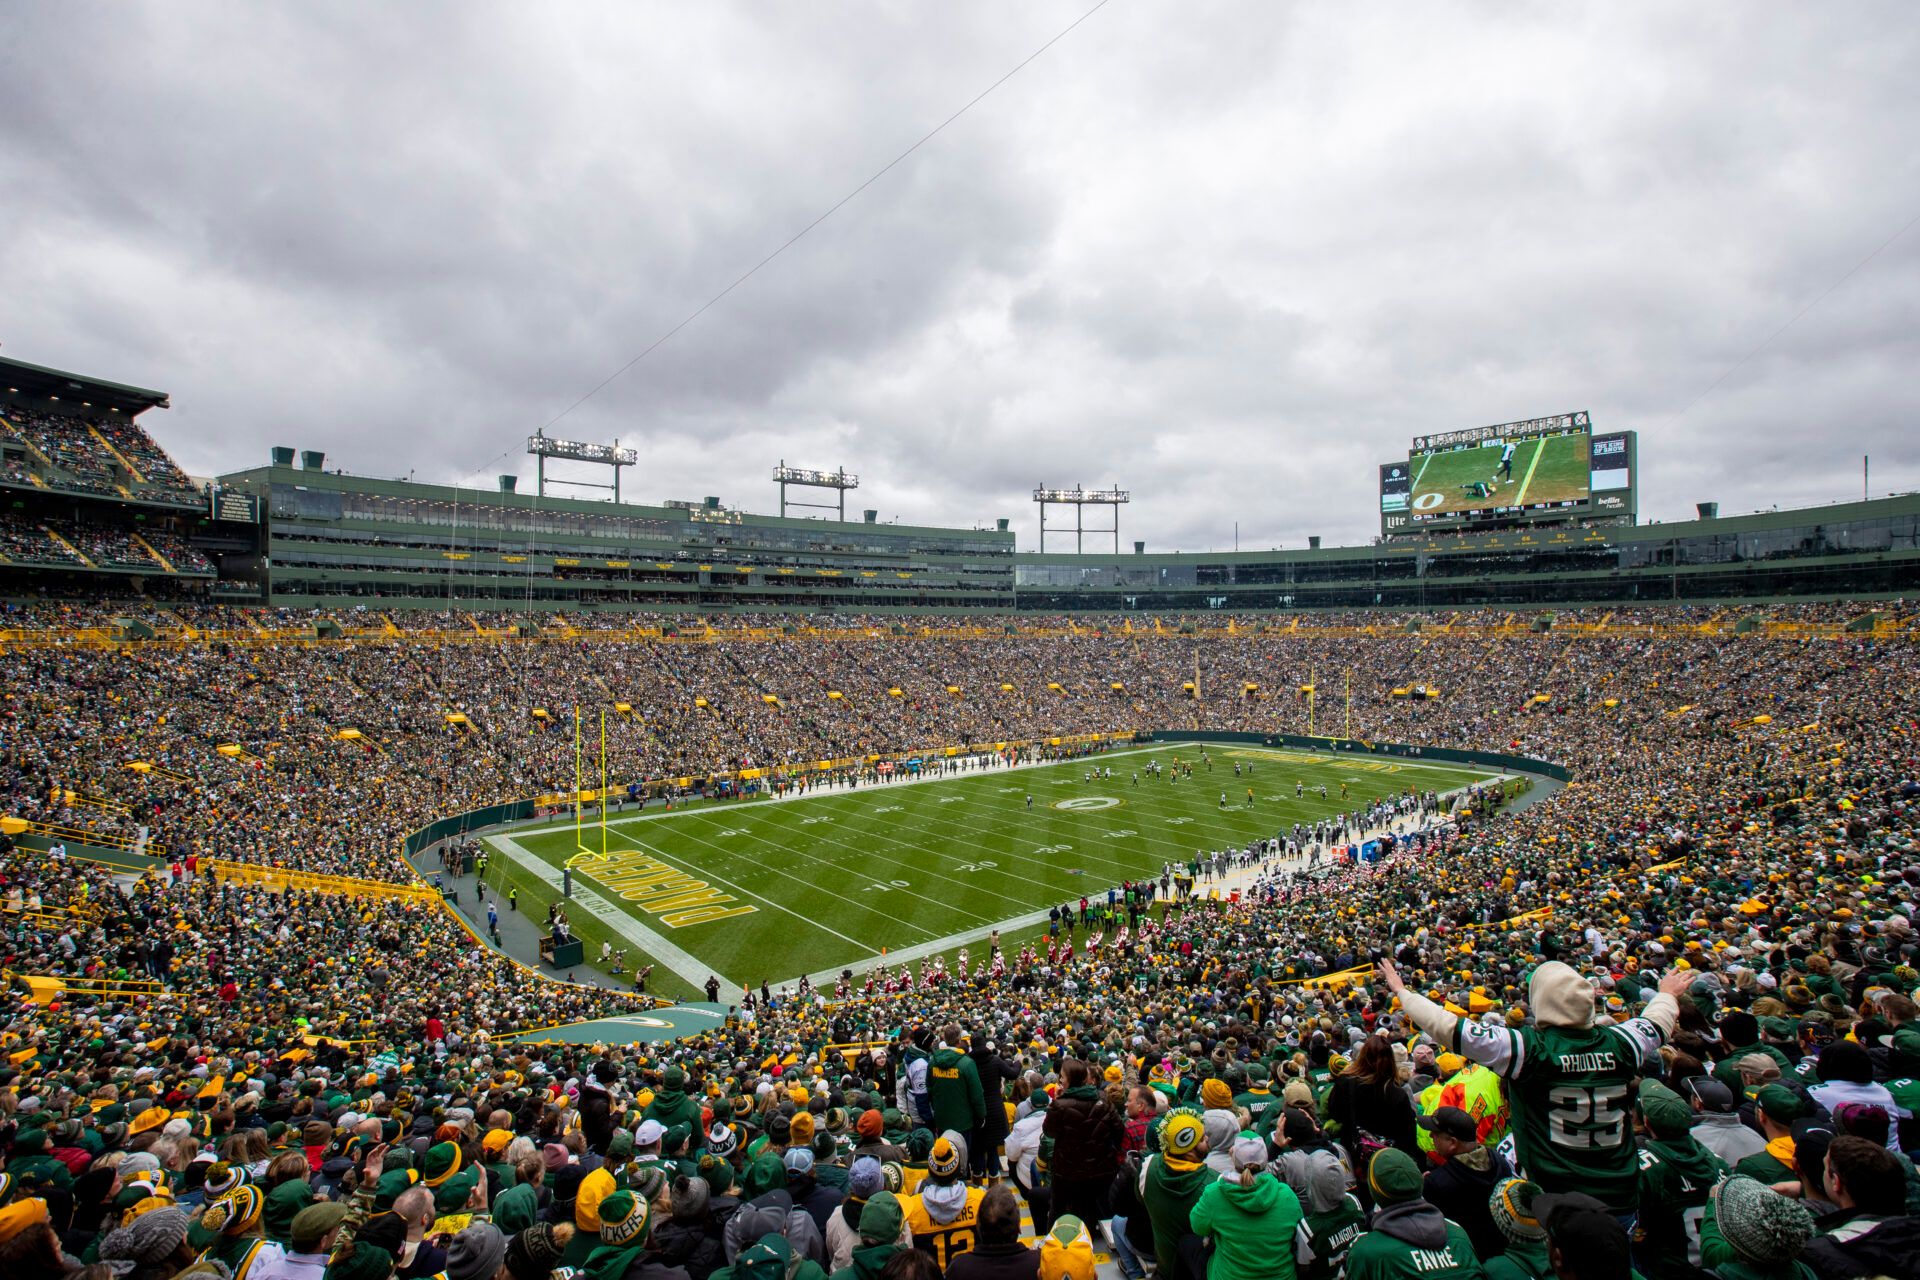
{"points": [[1506, 461]]}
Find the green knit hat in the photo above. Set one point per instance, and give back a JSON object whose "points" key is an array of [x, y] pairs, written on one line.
{"points": [[1393, 1177], [623, 1218], [441, 1162], [880, 1219], [1511, 1207]]}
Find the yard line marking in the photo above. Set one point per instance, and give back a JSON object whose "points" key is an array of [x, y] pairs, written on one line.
{"points": [[787, 875], [1539, 447], [891, 862], [714, 875]]}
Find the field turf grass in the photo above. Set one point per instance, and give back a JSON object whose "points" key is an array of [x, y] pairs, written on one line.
{"points": [[831, 879], [1548, 469]]}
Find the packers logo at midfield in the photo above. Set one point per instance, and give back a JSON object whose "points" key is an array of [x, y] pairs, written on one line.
{"points": [[1087, 804]]}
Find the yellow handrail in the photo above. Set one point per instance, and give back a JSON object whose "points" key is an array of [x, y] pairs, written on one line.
{"points": [[345, 886], [63, 833]]}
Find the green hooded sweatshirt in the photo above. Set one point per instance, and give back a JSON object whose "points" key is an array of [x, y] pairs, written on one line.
{"points": [[1676, 1175], [867, 1262], [1168, 1191], [1244, 1224], [953, 1090], [672, 1106]]}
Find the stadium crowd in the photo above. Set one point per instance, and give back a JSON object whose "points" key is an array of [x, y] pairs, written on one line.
{"points": [[1661, 1022], [105, 456]]}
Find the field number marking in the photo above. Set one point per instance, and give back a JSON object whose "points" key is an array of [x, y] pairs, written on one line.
{"points": [[888, 886]]}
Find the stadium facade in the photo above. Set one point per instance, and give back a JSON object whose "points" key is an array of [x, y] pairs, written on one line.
{"points": [[95, 506]]}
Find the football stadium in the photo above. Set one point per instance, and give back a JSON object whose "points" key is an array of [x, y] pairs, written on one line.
{"points": [[512, 873]]}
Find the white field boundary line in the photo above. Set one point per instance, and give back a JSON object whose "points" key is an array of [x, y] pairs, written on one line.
{"points": [[674, 861], [842, 790]]}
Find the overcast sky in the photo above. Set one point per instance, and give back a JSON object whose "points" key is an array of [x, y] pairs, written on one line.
{"points": [[1231, 256]]}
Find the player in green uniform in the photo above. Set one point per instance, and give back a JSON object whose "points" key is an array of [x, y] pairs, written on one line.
{"points": [[1570, 1081]]}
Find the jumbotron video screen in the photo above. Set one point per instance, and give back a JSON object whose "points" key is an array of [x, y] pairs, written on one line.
{"points": [[1540, 465]]}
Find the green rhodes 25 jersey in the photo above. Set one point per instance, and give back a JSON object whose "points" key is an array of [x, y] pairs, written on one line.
{"points": [[1571, 1091]]}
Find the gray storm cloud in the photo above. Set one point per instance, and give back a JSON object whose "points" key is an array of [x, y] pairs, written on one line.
{"points": [[1229, 256]]}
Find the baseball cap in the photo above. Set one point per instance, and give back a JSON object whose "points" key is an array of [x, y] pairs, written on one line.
{"points": [[1780, 1104], [1710, 1093], [1453, 1122]]}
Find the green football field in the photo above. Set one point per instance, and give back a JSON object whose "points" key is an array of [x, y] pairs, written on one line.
{"points": [[752, 890], [1547, 469]]}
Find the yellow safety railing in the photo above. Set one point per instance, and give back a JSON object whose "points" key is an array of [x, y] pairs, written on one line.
{"points": [[44, 988], [346, 886], [63, 833]]}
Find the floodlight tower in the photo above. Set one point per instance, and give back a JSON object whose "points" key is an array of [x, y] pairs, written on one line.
{"points": [[542, 446], [839, 481], [1080, 499]]}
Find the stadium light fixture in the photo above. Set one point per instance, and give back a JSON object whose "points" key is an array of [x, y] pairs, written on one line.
{"points": [[580, 451], [1080, 499], [542, 446], [839, 480]]}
